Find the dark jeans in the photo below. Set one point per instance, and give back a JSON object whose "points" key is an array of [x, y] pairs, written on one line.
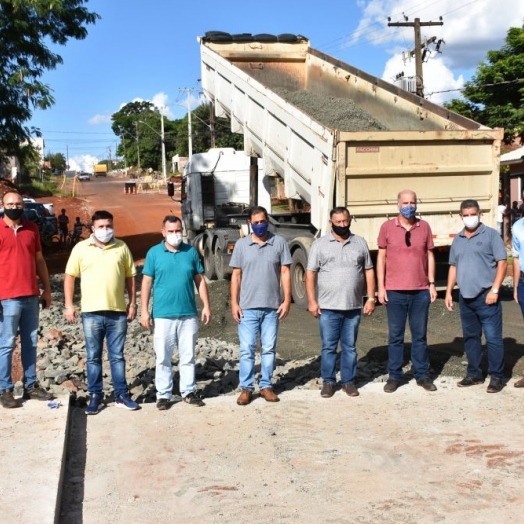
{"points": [[476, 316], [401, 306]]}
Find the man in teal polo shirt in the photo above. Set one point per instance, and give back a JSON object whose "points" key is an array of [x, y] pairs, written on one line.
{"points": [[171, 270]]}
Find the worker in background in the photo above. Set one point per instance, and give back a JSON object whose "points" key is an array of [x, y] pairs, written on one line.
{"points": [[171, 270], [340, 266], [406, 286], [63, 226], [478, 264], [261, 266]]}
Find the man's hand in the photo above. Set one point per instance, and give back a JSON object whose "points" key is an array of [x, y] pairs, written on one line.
{"points": [[70, 314], [283, 310], [448, 301], [145, 320], [206, 315], [382, 296], [313, 309], [236, 312], [491, 298], [369, 307]]}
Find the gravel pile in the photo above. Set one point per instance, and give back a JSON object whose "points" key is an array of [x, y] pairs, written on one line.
{"points": [[335, 113], [61, 361]]}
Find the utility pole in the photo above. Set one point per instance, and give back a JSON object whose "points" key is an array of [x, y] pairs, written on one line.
{"points": [[417, 24], [189, 90], [164, 168], [212, 123], [137, 146]]}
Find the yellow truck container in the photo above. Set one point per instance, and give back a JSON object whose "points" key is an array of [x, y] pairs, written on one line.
{"points": [[100, 170]]}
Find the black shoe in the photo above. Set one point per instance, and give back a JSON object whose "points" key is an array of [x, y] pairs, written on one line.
{"points": [[391, 386], [327, 391], [8, 400], [470, 381], [193, 400], [162, 404], [427, 384], [495, 385], [37, 393]]}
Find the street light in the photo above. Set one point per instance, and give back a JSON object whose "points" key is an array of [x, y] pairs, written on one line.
{"points": [[161, 135]]}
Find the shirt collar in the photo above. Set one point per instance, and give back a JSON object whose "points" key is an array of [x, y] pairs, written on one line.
{"points": [[269, 240]]}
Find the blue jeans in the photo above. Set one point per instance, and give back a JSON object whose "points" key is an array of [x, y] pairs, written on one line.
{"points": [[18, 313], [338, 326], [475, 316], [401, 306], [255, 321], [111, 325]]}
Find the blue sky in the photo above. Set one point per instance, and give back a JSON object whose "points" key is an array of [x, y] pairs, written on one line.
{"points": [[148, 51]]}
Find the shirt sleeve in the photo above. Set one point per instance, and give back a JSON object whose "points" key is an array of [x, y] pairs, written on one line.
{"points": [[312, 261], [382, 240]]}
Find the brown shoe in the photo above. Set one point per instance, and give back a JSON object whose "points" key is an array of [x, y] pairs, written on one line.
{"points": [[350, 390], [328, 390], [8, 400], [519, 383], [269, 395], [245, 397]]}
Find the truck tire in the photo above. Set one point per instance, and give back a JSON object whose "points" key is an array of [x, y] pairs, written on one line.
{"points": [[209, 263], [298, 279], [221, 270]]}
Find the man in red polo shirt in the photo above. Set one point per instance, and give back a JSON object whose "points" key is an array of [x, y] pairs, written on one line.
{"points": [[406, 286], [21, 261]]}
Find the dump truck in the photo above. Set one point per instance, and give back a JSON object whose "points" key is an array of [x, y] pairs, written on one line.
{"points": [[290, 102], [100, 170]]}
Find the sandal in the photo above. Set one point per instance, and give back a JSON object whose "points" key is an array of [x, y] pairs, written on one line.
{"points": [[193, 400]]}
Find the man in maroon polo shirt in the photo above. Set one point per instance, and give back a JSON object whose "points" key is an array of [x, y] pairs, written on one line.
{"points": [[21, 261], [406, 286]]}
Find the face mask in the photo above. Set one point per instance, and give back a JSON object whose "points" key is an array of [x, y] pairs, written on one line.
{"points": [[260, 229], [341, 231], [104, 235], [471, 222], [408, 211], [174, 239], [13, 214]]}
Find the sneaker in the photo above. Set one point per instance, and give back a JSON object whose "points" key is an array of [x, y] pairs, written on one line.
{"points": [[94, 404], [193, 400], [8, 400], [391, 386], [469, 381], [495, 385], [162, 404], [37, 393], [124, 401], [427, 384]]}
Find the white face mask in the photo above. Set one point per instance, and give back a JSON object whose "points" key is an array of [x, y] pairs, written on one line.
{"points": [[471, 222], [174, 239], [104, 235]]}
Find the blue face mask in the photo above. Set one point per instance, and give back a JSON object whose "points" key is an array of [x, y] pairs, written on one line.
{"points": [[408, 211], [260, 229]]}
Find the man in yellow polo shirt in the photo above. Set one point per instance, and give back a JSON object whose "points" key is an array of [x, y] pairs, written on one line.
{"points": [[106, 270]]}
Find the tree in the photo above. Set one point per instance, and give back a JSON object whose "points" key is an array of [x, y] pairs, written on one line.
{"points": [[57, 161], [27, 28], [495, 95]]}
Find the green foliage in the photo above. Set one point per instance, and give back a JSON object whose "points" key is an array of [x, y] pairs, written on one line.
{"points": [[57, 161], [495, 95], [27, 28]]}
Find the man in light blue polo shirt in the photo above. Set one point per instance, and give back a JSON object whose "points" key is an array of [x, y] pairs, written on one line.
{"points": [[171, 270], [478, 264], [260, 265], [517, 235]]}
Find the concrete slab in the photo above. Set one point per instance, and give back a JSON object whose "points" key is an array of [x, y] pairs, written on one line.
{"points": [[32, 444], [414, 457]]}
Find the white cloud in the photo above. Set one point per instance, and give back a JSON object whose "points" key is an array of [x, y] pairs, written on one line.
{"points": [[100, 119], [470, 29], [82, 163]]}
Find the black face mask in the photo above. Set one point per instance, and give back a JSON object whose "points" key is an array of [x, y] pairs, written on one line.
{"points": [[341, 231], [13, 214]]}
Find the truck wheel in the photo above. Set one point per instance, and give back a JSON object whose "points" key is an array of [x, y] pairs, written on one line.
{"points": [[298, 279], [221, 271], [209, 263]]}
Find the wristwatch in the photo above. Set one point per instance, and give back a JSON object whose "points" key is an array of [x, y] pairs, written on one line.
{"points": [[495, 290]]}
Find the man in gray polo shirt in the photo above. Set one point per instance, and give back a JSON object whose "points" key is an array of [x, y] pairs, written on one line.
{"points": [[343, 265], [260, 265], [478, 264]]}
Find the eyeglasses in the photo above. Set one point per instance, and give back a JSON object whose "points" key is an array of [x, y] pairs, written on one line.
{"points": [[14, 206], [408, 238]]}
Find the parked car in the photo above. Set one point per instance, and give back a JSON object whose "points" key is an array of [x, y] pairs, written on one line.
{"points": [[84, 176], [48, 205], [46, 227], [43, 211]]}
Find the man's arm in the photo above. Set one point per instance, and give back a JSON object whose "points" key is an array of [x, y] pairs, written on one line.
{"points": [[502, 266], [69, 290], [431, 275], [312, 304], [516, 277], [131, 293], [145, 294], [43, 275], [452, 280], [236, 280], [285, 280], [381, 275], [369, 306], [201, 285]]}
